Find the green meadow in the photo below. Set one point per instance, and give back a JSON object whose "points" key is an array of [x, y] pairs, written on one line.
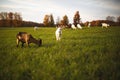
{"points": [[87, 54]]}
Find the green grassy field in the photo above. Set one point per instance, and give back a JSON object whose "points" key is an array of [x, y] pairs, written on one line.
{"points": [[87, 54]]}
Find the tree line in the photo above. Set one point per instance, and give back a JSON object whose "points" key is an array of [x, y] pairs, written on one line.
{"points": [[49, 20], [109, 19], [77, 20], [10, 19]]}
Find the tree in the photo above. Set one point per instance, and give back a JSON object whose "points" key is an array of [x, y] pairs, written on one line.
{"points": [[4, 19], [17, 19], [76, 18], [58, 21], [46, 20], [61, 22], [65, 20], [97, 23], [110, 18], [51, 20], [118, 19], [3, 16], [10, 19]]}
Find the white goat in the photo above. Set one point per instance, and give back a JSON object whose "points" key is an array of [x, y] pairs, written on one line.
{"points": [[73, 26], [35, 28], [89, 24], [105, 25], [58, 33], [79, 26]]}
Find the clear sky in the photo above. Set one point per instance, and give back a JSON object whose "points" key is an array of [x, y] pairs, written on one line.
{"points": [[35, 10]]}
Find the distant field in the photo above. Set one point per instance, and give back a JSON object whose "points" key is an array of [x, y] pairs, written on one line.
{"points": [[87, 54]]}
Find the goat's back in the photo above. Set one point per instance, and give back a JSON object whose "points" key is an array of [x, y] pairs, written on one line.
{"points": [[23, 36]]}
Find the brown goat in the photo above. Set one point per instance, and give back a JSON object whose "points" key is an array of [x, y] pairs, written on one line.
{"points": [[24, 37]]}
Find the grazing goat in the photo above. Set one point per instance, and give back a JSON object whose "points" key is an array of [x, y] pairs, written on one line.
{"points": [[35, 28], [58, 33], [89, 24], [73, 26], [79, 26], [105, 25], [24, 37]]}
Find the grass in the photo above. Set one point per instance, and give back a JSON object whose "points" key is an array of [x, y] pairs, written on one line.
{"points": [[87, 54]]}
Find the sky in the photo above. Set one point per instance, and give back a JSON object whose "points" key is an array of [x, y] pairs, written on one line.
{"points": [[35, 10]]}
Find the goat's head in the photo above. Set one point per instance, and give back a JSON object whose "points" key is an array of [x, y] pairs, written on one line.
{"points": [[39, 42]]}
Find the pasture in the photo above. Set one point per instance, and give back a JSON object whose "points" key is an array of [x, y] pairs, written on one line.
{"points": [[87, 54]]}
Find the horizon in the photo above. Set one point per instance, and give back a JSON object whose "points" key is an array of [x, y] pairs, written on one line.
{"points": [[35, 10]]}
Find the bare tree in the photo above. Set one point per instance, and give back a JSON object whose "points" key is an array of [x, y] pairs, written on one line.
{"points": [[10, 19], [118, 19], [3, 16], [110, 18], [17, 19], [4, 19]]}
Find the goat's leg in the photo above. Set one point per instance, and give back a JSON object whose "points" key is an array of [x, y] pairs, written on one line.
{"points": [[22, 44], [17, 41], [27, 43]]}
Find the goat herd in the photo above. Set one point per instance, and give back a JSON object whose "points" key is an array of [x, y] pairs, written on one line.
{"points": [[27, 38]]}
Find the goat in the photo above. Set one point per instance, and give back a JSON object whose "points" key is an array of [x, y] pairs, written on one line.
{"points": [[79, 26], [105, 25], [73, 26], [35, 28], [24, 37], [89, 24], [58, 33]]}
